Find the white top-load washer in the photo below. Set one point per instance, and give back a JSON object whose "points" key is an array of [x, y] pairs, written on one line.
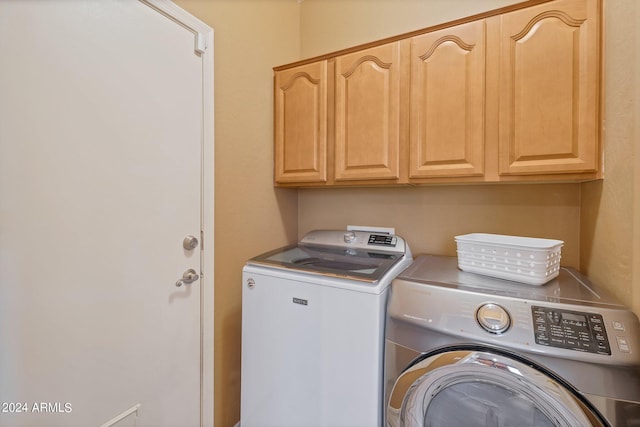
{"points": [[313, 319]]}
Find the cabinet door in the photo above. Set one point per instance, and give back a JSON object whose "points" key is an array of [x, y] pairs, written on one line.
{"points": [[549, 89], [447, 102], [301, 124], [367, 114]]}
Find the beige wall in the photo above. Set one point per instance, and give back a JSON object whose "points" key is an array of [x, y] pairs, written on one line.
{"points": [[329, 25], [610, 225], [251, 216], [636, 159], [428, 218]]}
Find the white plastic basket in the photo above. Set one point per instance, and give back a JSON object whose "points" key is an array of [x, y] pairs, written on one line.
{"points": [[522, 259]]}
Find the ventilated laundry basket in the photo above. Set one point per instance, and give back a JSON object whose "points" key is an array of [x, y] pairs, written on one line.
{"points": [[522, 259]]}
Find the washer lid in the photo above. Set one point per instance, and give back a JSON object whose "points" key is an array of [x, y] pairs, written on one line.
{"points": [[356, 255], [356, 264]]}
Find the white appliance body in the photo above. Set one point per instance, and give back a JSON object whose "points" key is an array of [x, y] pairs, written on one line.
{"points": [[312, 346]]}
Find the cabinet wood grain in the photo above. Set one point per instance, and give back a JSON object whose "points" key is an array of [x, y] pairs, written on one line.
{"points": [[367, 119], [301, 124], [447, 102], [549, 87]]}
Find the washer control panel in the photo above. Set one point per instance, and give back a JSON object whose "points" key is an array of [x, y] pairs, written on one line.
{"points": [[573, 330], [382, 240], [357, 239]]}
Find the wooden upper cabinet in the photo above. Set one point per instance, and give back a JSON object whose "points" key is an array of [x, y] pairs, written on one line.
{"points": [[301, 124], [447, 102], [367, 114], [549, 89], [511, 95]]}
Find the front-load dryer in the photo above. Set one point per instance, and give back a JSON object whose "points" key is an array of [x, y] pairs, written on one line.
{"points": [[313, 329], [464, 349]]}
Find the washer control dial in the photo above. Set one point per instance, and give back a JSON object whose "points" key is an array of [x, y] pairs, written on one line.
{"points": [[349, 237], [493, 318]]}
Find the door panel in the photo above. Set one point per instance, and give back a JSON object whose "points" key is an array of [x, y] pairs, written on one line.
{"points": [[548, 84], [100, 181], [300, 124], [367, 129], [447, 102]]}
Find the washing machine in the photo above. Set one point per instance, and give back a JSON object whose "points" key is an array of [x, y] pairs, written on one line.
{"points": [[313, 318], [470, 350]]}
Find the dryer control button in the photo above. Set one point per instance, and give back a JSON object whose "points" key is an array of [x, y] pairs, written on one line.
{"points": [[493, 318], [623, 345], [618, 326]]}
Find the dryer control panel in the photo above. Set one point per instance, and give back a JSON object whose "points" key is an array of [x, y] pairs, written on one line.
{"points": [[572, 330], [568, 318]]}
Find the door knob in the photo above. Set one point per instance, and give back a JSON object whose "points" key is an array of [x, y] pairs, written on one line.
{"points": [[190, 242], [188, 277]]}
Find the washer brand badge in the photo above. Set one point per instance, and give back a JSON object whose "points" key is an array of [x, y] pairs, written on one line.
{"points": [[301, 301]]}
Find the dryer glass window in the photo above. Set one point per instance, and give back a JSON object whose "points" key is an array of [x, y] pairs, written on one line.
{"points": [[487, 404], [461, 388]]}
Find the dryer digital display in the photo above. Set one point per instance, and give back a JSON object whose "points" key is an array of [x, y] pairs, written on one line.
{"points": [[572, 330]]}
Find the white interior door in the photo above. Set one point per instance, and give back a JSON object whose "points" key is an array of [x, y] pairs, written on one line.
{"points": [[102, 123]]}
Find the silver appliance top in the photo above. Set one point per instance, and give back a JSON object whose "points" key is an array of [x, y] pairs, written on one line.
{"points": [[570, 287], [365, 256], [568, 317]]}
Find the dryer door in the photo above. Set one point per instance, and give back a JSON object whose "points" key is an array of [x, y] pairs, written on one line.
{"points": [[483, 387]]}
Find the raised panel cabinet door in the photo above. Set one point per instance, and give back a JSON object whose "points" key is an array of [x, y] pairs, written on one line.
{"points": [[301, 124], [367, 114], [549, 89], [447, 102]]}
